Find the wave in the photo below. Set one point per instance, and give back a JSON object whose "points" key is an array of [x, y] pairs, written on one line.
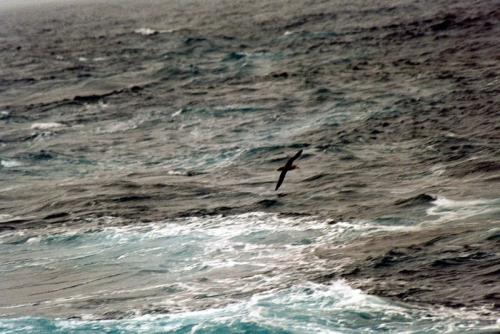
{"points": [[445, 209], [304, 308], [218, 258]]}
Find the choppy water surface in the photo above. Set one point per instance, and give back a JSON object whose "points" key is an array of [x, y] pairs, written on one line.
{"points": [[139, 143], [246, 273]]}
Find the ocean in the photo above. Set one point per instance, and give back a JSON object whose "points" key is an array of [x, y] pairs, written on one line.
{"points": [[139, 148]]}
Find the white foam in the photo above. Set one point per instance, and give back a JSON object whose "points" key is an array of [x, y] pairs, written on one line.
{"points": [[5, 216], [304, 308], [175, 172], [34, 240], [10, 163], [237, 254], [208, 271], [448, 210], [177, 113], [145, 31], [46, 126], [262, 250]]}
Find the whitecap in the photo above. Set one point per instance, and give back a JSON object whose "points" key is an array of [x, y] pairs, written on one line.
{"points": [[145, 31], [10, 163], [446, 209], [304, 308], [5, 216], [213, 273], [175, 172], [34, 240], [46, 126], [95, 107], [177, 113]]}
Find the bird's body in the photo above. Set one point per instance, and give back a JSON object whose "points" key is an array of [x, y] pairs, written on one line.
{"points": [[288, 166]]}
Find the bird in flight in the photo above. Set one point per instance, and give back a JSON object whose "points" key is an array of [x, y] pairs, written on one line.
{"points": [[288, 166]]}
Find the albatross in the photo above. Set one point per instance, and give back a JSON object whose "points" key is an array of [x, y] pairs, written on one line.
{"points": [[288, 166]]}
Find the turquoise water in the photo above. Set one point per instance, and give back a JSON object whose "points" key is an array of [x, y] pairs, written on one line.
{"points": [[247, 273], [309, 308]]}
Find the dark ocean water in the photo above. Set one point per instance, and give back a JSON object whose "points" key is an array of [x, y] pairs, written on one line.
{"points": [[139, 143]]}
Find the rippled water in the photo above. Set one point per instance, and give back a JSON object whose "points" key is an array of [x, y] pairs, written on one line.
{"points": [[139, 143]]}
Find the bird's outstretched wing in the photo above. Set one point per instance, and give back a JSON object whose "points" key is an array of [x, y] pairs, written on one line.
{"points": [[282, 177], [290, 161], [297, 155]]}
